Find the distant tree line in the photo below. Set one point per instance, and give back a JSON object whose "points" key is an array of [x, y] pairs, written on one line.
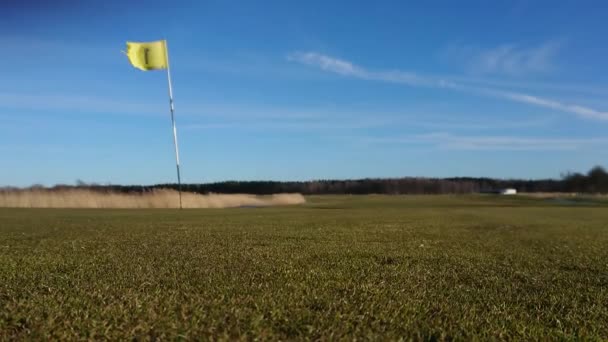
{"points": [[595, 181]]}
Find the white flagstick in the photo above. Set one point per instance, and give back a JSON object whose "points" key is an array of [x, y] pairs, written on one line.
{"points": [[179, 181]]}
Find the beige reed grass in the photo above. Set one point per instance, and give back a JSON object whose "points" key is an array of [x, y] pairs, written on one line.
{"points": [[162, 198]]}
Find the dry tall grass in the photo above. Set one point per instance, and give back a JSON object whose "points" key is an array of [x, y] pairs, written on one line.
{"points": [[164, 198], [562, 195]]}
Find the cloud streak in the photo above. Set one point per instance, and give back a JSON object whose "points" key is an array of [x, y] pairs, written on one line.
{"points": [[506, 59], [73, 103], [349, 69], [91, 104], [346, 68], [492, 143]]}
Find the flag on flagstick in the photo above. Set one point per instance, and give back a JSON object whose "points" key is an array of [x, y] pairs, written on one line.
{"points": [[155, 56], [148, 56]]}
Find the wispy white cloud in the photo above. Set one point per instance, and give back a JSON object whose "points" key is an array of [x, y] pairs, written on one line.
{"points": [[505, 59], [56, 109], [346, 68], [492, 143], [328, 63], [323, 121], [479, 125], [569, 89], [516, 60], [290, 125], [582, 111], [92, 104], [39, 53], [347, 120], [579, 110], [73, 103]]}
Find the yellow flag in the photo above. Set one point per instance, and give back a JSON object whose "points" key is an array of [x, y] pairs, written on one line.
{"points": [[149, 55]]}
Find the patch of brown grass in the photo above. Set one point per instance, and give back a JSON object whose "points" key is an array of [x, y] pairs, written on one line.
{"points": [[163, 198], [560, 195]]}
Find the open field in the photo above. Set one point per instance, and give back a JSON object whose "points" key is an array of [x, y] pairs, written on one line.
{"points": [[421, 267]]}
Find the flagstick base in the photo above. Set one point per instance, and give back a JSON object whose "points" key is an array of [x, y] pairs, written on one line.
{"points": [[179, 187]]}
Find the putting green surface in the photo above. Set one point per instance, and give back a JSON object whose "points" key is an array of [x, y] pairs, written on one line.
{"points": [[372, 267]]}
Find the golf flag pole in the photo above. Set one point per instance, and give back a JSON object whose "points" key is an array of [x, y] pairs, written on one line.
{"points": [[147, 56], [172, 109]]}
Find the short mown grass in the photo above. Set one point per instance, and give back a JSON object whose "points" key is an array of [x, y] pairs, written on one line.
{"points": [[370, 267]]}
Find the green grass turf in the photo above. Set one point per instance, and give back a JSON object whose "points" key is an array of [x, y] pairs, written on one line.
{"points": [[373, 267]]}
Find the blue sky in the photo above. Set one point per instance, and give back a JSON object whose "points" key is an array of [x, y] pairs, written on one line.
{"points": [[296, 90]]}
